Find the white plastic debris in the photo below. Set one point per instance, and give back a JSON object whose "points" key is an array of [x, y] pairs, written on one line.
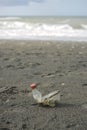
{"points": [[49, 100]]}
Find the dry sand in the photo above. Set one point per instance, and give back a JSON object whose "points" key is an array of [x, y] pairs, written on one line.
{"points": [[53, 65]]}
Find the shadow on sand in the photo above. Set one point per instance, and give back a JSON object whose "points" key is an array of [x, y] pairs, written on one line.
{"points": [[58, 105]]}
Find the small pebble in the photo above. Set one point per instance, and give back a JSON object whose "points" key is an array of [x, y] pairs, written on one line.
{"points": [[62, 84]]}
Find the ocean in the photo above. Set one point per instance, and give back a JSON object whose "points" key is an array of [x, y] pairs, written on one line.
{"points": [[44, 28]]}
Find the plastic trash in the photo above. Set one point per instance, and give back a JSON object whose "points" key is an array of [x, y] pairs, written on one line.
{"points": [[50, 99]]}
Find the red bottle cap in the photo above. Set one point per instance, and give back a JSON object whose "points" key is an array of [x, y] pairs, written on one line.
{"points": [[33, 86]]}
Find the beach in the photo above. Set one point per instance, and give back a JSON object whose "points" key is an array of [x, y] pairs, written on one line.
{"points": [[53, 65]]}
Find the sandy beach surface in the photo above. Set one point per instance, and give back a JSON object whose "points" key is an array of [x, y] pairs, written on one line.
{"points": [[52, 65]]}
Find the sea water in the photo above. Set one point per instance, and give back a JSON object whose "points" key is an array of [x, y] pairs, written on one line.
{"points": [[44, 28]]}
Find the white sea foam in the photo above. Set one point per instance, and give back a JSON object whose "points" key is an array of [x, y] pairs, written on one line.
{"points": [[9, 18], [25, 30], [84, 26]]}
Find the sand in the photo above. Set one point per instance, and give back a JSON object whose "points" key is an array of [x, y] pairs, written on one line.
{"points": [[52, 65]]}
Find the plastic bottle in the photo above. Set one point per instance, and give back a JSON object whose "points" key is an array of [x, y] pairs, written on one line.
{"points": [[36, 94], [50, 99]]}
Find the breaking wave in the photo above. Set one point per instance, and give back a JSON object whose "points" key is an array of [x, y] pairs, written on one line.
{"points": [[84, 26], [25, 30]]}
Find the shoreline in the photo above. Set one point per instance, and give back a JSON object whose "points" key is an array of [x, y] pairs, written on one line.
{"points": [[46, 40]]}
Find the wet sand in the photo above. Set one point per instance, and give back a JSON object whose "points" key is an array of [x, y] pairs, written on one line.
{"points": [[52, 65]]}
